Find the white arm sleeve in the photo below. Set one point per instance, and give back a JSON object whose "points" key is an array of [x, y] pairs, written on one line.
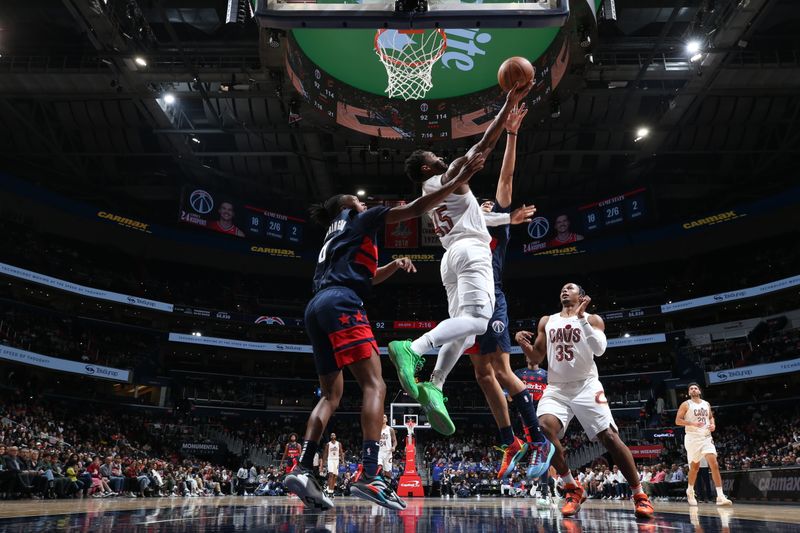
{"points": [[595, 338], [497, 219]]}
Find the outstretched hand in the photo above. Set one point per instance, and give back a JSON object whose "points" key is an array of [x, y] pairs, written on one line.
{"points": [[583, 303], [515, 117], [475, 162], [519, 91], [524, 339], [405, 264], [523, 214]]}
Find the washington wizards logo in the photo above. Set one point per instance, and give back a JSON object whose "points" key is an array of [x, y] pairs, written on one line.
{"points": [[498, 326]]}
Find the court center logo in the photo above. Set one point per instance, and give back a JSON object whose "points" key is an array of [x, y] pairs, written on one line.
{"points": [[201, 201], [498, 326], [538, 228]]}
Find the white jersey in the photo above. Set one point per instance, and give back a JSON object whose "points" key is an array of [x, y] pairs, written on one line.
{"points": [[698, 412], [569, 357], [333, 451], [386, 439], [458, 217]]}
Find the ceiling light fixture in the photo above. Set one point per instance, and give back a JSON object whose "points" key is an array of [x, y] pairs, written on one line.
{"points": [[139, 60], [169, 98]]}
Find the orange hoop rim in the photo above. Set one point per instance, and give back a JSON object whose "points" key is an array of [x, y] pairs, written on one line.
{"points": [[385, 57]]}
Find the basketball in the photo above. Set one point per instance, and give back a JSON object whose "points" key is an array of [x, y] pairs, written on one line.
{"points": [[514, 70]]}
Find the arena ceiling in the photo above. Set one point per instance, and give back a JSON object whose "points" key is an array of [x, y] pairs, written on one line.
{"points": [[81, 117]]}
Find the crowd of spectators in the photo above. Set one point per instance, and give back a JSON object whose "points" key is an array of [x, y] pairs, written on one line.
{"points": [[743, 351], [762, 436]]}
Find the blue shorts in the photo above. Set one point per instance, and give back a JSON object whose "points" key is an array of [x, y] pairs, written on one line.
{"points": [[496, 335], [339, 329]]}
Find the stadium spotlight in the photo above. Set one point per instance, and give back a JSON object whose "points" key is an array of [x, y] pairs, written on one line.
{"points": [[139, 60], [361, 192], [195, 139], [695, 58], [693, 46], [197, 334], [169, 98], [641, 133], [627, 335]]}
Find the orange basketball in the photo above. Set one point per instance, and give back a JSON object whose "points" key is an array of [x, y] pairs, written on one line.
{"points": [[514, 70]]}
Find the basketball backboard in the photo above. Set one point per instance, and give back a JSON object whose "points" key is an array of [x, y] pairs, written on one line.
{"points": [[401, 413], [404, 14]]}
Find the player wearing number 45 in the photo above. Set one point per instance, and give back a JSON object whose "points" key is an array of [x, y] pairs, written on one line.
{"points": [[696, 416], [571, 340], [340, 333]]}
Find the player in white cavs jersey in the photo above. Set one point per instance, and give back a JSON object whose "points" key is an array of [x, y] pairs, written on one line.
{"points": [[330, 457], [466, 270], [571, 340], [696, 416], [387, 445]]}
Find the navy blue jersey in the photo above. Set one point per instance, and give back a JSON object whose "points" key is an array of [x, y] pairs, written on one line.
{"points": [[500, 236], [535, 380], [349, 255]]}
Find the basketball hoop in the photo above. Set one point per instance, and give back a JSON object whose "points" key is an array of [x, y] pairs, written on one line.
{"points": [[409, 56], [410, 427]]}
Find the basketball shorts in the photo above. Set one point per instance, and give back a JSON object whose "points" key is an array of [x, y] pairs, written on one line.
{"points": [[339, 329], [385, 460], [496, 335], [698, 445], [333, 467], [584, 400], [467, 276]]}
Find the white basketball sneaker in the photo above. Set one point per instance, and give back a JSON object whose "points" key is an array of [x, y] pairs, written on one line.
{"points": [[690, 497], [722, 501]]}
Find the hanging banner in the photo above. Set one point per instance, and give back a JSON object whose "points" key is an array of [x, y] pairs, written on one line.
{"points": [[68, 286], [752, 372], [63, 365], [429, 237], [749, 292]]}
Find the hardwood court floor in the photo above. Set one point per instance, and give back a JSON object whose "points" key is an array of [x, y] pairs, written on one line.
{"points": [[287, 515]]}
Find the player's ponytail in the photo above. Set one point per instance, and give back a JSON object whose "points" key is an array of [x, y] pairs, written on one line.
{"points": [[324, 213]]}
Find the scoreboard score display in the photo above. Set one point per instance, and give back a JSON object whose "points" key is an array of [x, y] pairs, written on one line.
{"points": [[219, 213], [613, 211]]}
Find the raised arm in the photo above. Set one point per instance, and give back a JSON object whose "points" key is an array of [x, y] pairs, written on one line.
{"points": [[504, 184], [593, 327], [492, 133], [423, 204]]}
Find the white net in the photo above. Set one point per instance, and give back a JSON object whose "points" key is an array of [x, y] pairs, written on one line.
{"points": [[409, 56]]}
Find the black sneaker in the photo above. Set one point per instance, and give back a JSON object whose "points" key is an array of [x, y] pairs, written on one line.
{"points": [[303, 483], [377, 490]]}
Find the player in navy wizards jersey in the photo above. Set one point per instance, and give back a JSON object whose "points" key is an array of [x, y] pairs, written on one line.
{"points": [[340, 333], [535, 379], [490, 355]]}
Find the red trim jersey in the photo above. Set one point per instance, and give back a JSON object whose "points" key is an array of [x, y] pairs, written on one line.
{"points": [[535, 380]]}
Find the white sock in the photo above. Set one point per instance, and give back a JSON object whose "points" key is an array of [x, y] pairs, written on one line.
{"points": [[421, 345], [637, 490], [691, 488], [452, 329], [449, 354], [719, 493], [568, 479]]}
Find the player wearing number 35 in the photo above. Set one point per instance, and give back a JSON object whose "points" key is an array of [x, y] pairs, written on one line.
{"points": [[571, 340]]}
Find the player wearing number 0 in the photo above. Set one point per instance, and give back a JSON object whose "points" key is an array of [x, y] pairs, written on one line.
{"points": [[466, 271], [387, 445], [340, 333], [696, 416], [571, 339]]}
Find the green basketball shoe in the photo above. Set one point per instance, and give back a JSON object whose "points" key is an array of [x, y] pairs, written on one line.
{"points": [[432, 401], [407, 363]]}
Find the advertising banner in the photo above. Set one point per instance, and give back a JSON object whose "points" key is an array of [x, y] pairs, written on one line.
{"points": [[752, 372], [203, 448], [773, 286], [646, 452], [772, 484], [64, 365], [429, 238], [82, 290]]}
